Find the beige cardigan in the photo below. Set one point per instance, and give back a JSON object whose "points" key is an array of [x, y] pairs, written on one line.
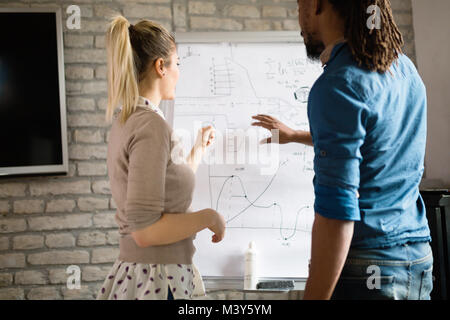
{"points": [[145, 182]]}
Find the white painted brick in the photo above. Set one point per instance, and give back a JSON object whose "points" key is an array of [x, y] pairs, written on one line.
{"points": [[243, 11], [101, 187], [179, 14], [80, 104], [94, 238], [78, 41], [69, 222], [87, 152], [44, 293], [94, 273], [112, 237], [106, 11], [12, 260], [6, 279], [209, 23], [4, 243], [60, 240], [103, 255], [92, 26], [59, 257], [27, 242], [60, 187], [92, 169], [58, 276], [61, 205], [274, 12], [292, 12], [84, 56], [101, 72], [257, 25], [92, 204], [30, 277], [11, 294], [28, 206], [87, 120], [84, 293], [4, 207], [291, 25], [82, 73], [12, 225], [202, 7], [100, 42], [73, 88], [105, 220], [102, 103], [150, 12], [88, 136], [12, 190], [112, 204]]}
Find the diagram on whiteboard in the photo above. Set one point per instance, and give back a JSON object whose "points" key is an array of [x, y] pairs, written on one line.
{"points": [[264, 191]]}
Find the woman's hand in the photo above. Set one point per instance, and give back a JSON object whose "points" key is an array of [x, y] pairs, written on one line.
{"points": [[205, 137], [217, 226]]}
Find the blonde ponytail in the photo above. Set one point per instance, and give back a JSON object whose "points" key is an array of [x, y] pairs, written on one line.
{"points": [[130, 51], [122, 77]]}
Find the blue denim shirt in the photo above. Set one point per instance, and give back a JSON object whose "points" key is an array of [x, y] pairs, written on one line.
{"points": [[369, 133]]}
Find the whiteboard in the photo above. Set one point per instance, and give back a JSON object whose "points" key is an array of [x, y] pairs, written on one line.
{"points": [[263, 191]]}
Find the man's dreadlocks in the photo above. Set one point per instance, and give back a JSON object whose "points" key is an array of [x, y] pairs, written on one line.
{"points": [[374, 48]]}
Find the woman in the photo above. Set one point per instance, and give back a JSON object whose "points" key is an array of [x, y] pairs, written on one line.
{"points": [[151, 185]]}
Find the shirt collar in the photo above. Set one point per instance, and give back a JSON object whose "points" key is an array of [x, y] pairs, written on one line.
{"points": [[146, 103], [326, 54]]}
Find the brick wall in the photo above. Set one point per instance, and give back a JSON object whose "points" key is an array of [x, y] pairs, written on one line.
{"points": [[49, 223]]}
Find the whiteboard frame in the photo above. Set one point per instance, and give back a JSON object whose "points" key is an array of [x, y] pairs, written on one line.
{"points": [[234, 283]]}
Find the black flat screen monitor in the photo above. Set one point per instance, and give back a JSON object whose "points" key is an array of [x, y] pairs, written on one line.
{"points": [[33, 126]]}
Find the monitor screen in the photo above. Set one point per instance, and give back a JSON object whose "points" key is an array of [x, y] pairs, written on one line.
{"points": [[31, 120]]}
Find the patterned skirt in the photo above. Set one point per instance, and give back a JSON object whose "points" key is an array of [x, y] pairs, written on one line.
{"points": [[141, 281]]}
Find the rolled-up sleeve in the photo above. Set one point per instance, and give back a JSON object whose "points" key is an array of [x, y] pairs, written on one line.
{"points": [[337, 118], [149, 150]]}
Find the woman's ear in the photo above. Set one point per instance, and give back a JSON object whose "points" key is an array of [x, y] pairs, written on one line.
{"points": [[160, 68]]}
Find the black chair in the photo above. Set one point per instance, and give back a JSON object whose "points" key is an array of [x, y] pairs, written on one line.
{"points": [[438, 214]]}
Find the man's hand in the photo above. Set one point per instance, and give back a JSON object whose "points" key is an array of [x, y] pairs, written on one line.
{"points": [[285, 134]]}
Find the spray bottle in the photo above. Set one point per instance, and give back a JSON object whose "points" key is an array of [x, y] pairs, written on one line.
{"points": [[250, 277]]}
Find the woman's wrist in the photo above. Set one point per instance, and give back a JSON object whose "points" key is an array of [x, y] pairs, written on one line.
{"points": [[209, 217]]}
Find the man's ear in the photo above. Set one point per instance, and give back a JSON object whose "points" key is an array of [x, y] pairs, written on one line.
{"points": [[159, 67], [318, 6]]}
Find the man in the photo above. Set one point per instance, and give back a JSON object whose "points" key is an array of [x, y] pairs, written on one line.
{"points": [[367, 115]]}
